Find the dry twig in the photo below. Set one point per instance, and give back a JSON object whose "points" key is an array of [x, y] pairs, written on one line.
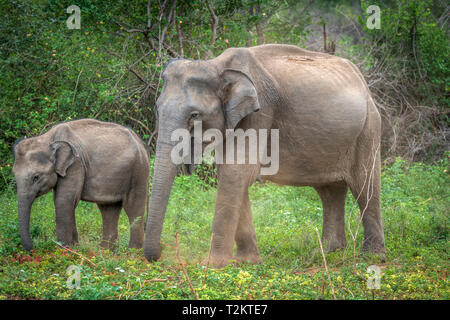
{"points": [[207, 261], [184, 269], [325, 263], [78, 254]]}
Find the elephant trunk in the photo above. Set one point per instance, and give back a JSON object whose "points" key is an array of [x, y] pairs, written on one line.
{"points": [[24, 203], [163, 176]]}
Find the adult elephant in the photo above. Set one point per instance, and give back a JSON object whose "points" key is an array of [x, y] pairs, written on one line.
{"points": [[329, 138]]}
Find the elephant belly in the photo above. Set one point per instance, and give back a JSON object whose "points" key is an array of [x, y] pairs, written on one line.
{"points": [[297, 169], [325, 112], [107, 185], [314, 148]]}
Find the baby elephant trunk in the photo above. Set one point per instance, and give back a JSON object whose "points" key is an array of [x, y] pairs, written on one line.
{"points": [[24, 203]]}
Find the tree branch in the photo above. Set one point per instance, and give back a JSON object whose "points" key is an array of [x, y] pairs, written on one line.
{"points": [[179, 33], [169, 17], [149, 20], [214, 22]]}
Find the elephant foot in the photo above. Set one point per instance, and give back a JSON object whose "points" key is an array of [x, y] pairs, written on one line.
{"points": [[335, 245], [108, 244], [248, 258], [136, 244], [69, 243], [376, 249], [380, 256], [217, 262]]}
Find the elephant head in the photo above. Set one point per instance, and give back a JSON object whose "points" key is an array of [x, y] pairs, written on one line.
{"points": [[219, 93], [38, 162]]}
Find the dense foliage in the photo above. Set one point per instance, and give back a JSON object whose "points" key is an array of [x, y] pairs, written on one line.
{"points": [[409, 75], [109, 69]]}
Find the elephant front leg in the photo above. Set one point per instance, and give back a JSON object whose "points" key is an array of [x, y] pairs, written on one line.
{"points": [[66, 229], [226, 219], [247, 249], [66, 196], [230, 223]]}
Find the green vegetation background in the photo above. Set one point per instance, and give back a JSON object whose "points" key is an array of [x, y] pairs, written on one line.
{"points": [[109, 70], [415, 206]]}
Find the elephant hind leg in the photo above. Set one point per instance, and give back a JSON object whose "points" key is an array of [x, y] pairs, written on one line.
{"points": [[110, 217], [365, 182], [365, 187], [333, 201], [134, 206]]}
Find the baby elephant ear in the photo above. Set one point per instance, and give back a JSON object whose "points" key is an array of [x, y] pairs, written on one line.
{"points": [[239, 96], [63, 156]]}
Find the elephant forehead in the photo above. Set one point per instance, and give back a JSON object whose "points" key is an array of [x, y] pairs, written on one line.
{"points": [[32, 159], [185, 69], [39, 157], [26, 145], [30, 151]]}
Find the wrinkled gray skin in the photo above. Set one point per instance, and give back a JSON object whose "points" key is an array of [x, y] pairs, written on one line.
{"points": [[329, 131], [86, 160]]}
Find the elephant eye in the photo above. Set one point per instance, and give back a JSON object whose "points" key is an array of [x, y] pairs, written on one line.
{"points": [[194, 115], [35, 178]]}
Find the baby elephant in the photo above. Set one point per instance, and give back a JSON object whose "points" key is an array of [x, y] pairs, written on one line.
{"points": [[87, 160]]}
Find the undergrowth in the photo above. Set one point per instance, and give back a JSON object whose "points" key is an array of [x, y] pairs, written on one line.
{"points": [[415, 209]]}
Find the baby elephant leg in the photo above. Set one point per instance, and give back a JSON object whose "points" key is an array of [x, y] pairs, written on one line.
{"points": [[110, 217], [134, 206]]}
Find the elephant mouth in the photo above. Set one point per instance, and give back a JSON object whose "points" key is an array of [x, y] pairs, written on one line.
{"points": [[188, 168], [42, 192]]}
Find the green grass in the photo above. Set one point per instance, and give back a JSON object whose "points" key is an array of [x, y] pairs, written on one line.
{"points": [[415, 208]]}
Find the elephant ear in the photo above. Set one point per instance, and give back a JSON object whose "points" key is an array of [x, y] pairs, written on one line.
{"points": [[63, 156], [239, 96]]}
